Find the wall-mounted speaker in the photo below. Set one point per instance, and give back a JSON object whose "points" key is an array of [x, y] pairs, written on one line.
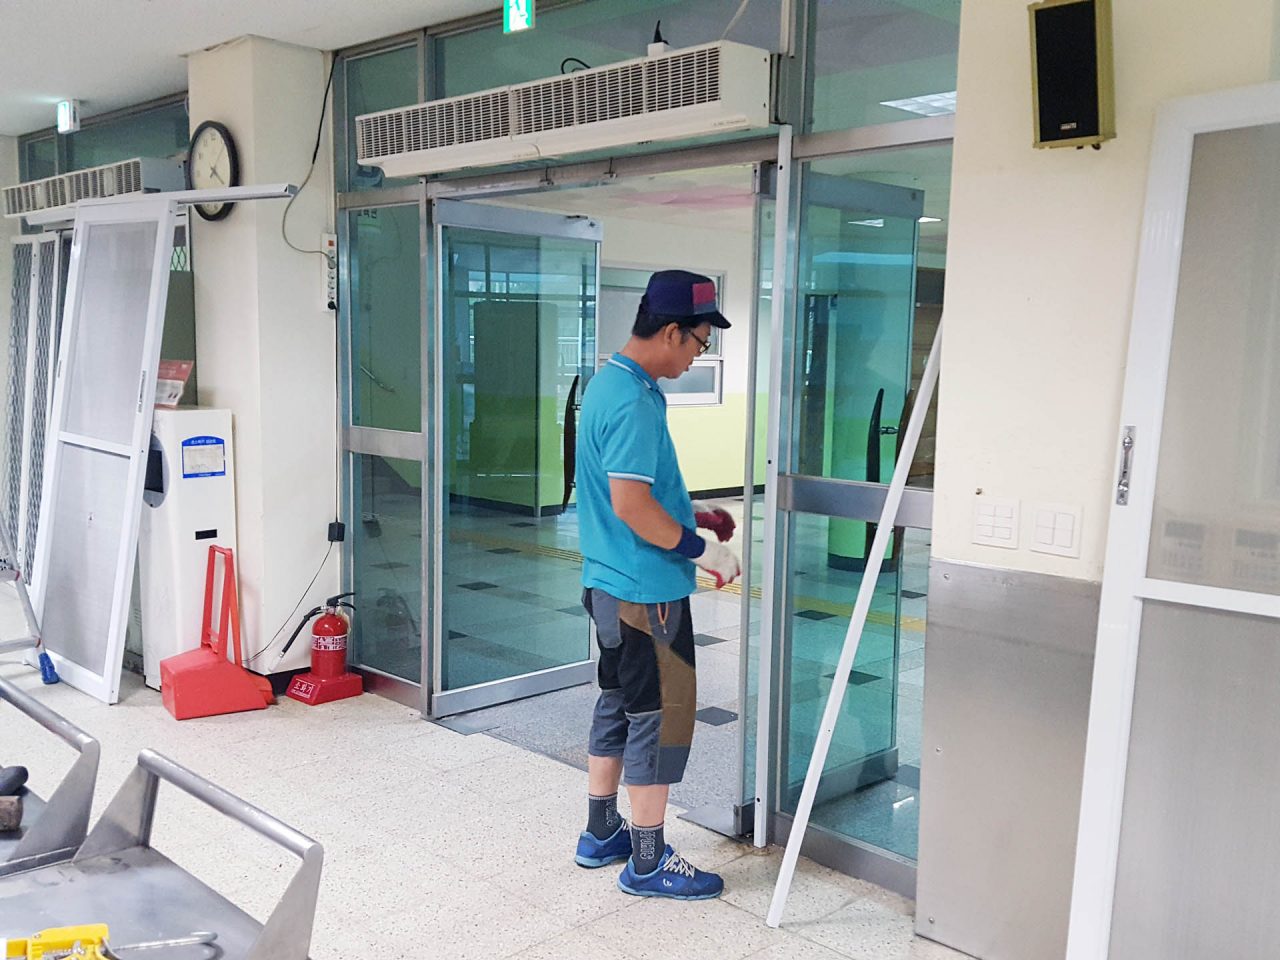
{"points": [[1072, 72]]}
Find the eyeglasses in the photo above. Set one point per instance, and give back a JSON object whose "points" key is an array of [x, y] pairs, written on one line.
{"points": [[703, 345]]}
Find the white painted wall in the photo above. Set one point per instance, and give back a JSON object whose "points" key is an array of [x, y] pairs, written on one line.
{"points": [[265, 341], [8, 229], [1042, 258]]}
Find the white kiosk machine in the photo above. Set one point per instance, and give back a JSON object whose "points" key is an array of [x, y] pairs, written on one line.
{"points": [[190, 504]]}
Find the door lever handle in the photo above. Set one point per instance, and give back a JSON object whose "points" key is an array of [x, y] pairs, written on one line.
{"points": [[1126, 465]]}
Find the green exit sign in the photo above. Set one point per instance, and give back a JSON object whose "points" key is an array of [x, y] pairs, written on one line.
{"points": [[517, 15]]}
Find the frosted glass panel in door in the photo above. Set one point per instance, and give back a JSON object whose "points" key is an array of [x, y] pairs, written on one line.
{"points": [[1217, 502]]}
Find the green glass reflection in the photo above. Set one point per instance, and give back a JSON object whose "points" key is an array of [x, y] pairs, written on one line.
{"points": [[596, 33], [869, 52], [39, 158], [819, 600], [386, 565], [385, 310], [377, 81], [159, 132], [518, 343]]}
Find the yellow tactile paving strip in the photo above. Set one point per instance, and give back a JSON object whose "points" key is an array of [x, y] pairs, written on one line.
{"points": [[488, 541]]}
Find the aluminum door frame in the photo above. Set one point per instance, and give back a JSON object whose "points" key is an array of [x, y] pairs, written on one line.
{"points": [[22, 434], [357, 440], [446, 213], [788, 493], [161, 212]]}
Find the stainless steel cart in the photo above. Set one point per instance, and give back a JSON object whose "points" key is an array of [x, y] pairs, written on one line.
{"points": [[52, 829], [116, 877]]}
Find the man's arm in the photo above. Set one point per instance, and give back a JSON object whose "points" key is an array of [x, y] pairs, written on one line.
{"points": [[634, 504]]}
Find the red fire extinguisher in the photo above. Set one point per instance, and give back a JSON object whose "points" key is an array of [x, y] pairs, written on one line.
{"points": [[328, 679]]}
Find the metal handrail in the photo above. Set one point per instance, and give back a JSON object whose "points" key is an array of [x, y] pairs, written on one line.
{"points": [[127, 823], [64, 821]]}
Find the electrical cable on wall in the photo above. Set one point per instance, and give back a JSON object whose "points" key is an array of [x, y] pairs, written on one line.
{"points": [[582, 64], [315, 153], [289, 619]]}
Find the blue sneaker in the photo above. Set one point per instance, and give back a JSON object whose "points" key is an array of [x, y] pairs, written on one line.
{"points": [[675, 878], [601, 853]]}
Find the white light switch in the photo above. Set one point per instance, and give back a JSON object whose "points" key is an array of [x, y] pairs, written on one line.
{"points": [[1056, 529], [995, 522]]}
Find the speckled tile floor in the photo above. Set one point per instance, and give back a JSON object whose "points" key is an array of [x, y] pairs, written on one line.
{"points": [[459, 845]]}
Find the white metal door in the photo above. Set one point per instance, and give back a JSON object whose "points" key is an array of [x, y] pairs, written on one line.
{"points": [[104, 392], [1192, 580]]}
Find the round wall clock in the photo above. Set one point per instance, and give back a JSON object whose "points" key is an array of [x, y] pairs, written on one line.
{"points": [[212, 164]]}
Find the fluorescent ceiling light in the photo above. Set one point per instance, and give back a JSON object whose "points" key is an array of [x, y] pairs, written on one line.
{"points": [[928, 105], [930, 220], [878, 222]]}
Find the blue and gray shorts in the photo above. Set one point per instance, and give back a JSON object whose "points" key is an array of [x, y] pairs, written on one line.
{"points": [[648, 686]]}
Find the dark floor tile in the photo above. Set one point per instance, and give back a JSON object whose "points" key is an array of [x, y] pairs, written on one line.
{"points": [[503, 551], [908, 776], [524, 523], [858, 677], [716, 716], [706, 640], [478, 585], [814, 615], [913, 595]]}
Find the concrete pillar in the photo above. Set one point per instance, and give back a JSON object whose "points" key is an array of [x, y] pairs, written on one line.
{"points": [[264, 337]]}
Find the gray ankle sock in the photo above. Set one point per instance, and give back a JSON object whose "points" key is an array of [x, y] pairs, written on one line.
{"points": [[648, 844], [603, 818]]}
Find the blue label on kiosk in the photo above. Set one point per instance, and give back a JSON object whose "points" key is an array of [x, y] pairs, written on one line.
{"points": [[204, 457]]}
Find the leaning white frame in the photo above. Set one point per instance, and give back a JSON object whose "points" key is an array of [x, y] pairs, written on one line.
{"points": [[161, 212], [1125, 586]]}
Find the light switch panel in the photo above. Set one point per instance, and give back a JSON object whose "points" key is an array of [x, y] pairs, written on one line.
{"points": [[995, 522], [1055, 528]]}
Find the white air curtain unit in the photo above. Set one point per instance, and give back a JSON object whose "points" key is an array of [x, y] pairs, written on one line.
{"points": [[708, 89], [39, 278], [139, 175], [190, 505]]}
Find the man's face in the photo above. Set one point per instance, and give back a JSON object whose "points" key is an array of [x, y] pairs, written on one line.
{"points": [[683, 346]]}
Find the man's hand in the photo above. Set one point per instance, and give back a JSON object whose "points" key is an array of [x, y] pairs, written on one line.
{"points": [[715, 519], [721, 563]]}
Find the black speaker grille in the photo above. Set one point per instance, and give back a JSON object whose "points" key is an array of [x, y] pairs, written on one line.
{"points": [[1067, 71]]}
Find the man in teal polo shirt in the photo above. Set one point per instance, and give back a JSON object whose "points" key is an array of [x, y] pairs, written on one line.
{"points": [[640, 552]]}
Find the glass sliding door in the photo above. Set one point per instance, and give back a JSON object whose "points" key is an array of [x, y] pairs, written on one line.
{"points": [[847, 380], [381, 305], [516, 297]]}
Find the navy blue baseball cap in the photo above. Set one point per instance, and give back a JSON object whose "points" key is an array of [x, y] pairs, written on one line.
{"points": [[678, 296]]}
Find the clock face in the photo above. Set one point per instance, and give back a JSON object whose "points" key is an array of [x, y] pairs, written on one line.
{"points": [[212, 164]]}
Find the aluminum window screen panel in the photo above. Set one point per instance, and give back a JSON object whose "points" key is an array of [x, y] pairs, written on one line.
{"points": [[43, 354], [87, 529], [15, 412], [115, 286]]}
